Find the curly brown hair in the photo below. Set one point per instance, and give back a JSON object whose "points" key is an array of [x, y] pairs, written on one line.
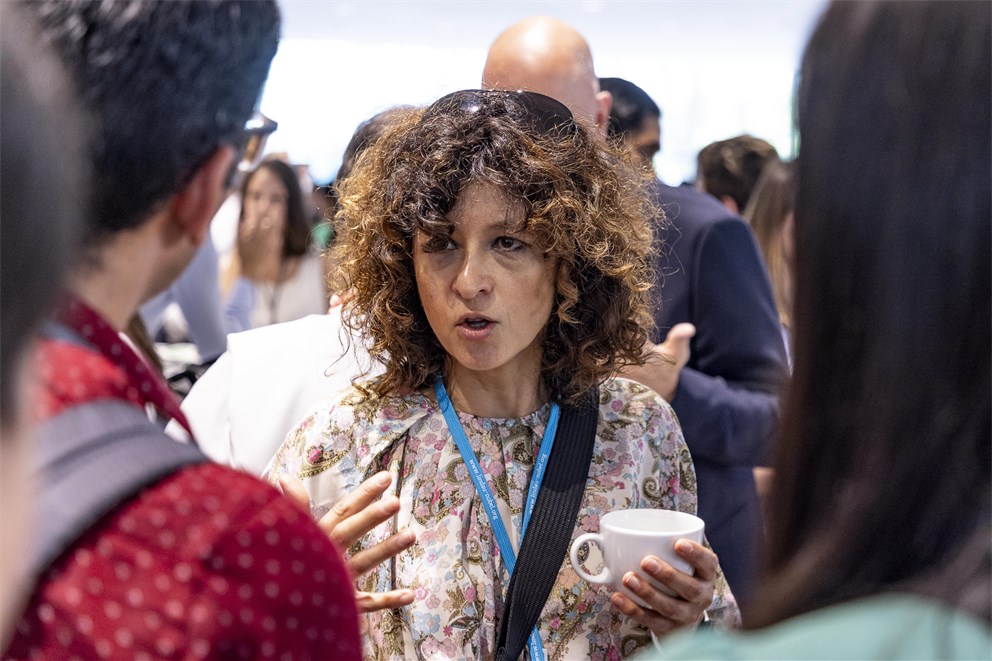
{"points": [[584, 199]]}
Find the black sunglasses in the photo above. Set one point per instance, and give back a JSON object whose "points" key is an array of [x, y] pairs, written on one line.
{"points": [[544, 113]]}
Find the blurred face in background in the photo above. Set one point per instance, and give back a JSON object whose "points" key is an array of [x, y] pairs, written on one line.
{"points": [[266, 202], [647, 141]]}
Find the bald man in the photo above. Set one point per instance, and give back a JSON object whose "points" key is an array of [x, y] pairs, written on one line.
{"points": [[726, 395], [547, 56]]}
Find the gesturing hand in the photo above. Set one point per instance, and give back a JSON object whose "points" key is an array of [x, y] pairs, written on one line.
{"points": [[349, 519]]}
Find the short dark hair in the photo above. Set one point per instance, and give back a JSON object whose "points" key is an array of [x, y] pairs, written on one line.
{"points": [[169, 83], [630, 106], [296, 236], [366, 135], [42, 129], [883, 470], [732, 167]]}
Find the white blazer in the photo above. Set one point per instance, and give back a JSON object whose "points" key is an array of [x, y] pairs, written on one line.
{"points": [[243, 406]]}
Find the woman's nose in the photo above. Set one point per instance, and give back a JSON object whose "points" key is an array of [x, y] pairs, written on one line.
{"points": [[473, 277]]}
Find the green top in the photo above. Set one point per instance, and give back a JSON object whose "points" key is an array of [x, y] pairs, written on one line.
{"points": [[891, 626]]}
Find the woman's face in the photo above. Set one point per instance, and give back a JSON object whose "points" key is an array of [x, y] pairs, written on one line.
{"points": [[487, 290], [266, 202]]}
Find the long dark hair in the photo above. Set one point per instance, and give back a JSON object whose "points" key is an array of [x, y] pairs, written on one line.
{"points": [[883, 469], [43, 130], [296, 238]]}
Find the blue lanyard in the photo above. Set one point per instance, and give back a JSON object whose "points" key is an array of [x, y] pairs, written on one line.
{"points": [[534, 644]]}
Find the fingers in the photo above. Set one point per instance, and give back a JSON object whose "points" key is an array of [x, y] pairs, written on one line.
{"points": [[684, 587], [664, 612], [347, 531], [355, 515], [374, 601], [687, 597], [676, 344], [367, 492], [703, 560], [683, 331], [360, 511], [351, 518], [260, 234], [292, 487], [653, 620], [365, 560]]}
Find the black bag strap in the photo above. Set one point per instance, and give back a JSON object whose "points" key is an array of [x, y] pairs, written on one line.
{"points": [[551, 525], [90, 459]]}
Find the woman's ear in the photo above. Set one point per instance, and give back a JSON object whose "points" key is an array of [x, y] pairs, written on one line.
{"points": [[194, 206], [604, 101]]}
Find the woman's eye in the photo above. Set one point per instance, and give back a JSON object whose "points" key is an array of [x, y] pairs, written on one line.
{"points": [[437, 244], [508, 243]]}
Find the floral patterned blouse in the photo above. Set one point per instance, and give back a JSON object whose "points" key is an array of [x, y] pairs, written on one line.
{"points": [[455, 569]]}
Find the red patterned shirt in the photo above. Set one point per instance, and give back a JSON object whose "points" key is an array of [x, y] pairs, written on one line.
{"points": [[207, 563]]}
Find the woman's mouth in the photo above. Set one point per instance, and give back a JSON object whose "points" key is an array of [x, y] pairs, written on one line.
{"points": [[475, 328]]}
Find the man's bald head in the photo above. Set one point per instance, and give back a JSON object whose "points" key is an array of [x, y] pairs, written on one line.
{"points": [[545, 55]]}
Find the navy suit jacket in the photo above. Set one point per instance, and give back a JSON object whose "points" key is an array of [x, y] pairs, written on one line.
{"points": [[712, 275]]}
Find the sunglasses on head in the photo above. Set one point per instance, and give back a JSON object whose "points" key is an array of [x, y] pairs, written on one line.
{"points": [[543, 112]]}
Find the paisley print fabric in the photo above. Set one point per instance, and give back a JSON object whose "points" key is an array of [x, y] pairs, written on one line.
{"points": [[455, 569]]}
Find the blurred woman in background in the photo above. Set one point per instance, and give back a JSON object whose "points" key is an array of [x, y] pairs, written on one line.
{"points": [[879, 540], [274, 270], [771, 214]]}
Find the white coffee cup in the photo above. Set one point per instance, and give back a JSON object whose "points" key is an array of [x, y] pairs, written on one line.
{"points": [[625, 537]]}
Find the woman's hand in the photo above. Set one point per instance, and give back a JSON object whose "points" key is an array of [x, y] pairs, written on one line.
{"points": [[353, 516], [259, 248], [694, 594]]}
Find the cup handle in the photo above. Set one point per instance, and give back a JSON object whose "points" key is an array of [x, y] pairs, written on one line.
{"points": [[604, 576]]}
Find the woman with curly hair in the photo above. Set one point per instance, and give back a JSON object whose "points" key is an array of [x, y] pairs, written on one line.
{"points": [[497, 255]]}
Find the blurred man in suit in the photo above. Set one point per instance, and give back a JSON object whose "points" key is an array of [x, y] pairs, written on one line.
{"points": [[711, 276]]}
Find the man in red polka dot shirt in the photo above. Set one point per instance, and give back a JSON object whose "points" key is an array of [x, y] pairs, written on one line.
{"points": [[207, 562]]}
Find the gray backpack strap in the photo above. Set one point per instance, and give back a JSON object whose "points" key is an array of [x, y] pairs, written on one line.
{"points": [[93, 457]]}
